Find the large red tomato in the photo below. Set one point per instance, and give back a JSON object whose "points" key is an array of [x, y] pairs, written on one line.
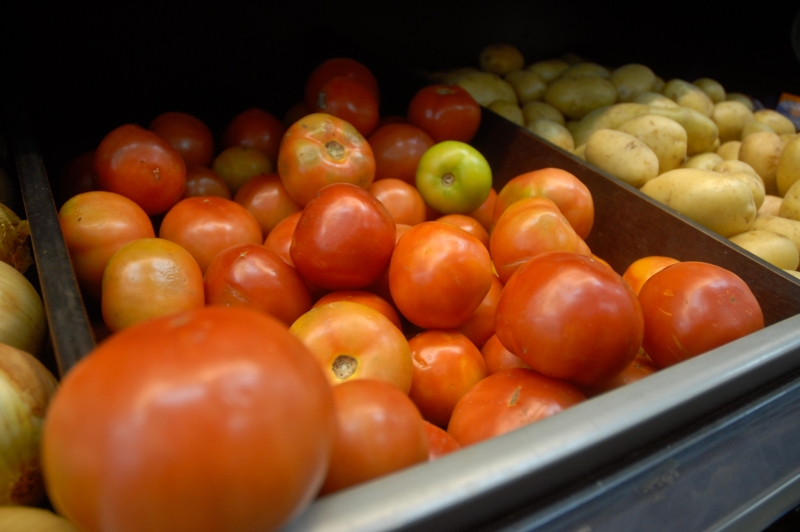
{"points": [[344, 238], [140, 165], [692, 307], [570, 317], [338, 66], [445, 112], [255, 128], [439, 275], [95, 225], [267, 200], [506, 401], [216, 419], [398, 147], [363, 297], [320, 149], [203, 181], [350, 100], [403, 201], [186, 133]]}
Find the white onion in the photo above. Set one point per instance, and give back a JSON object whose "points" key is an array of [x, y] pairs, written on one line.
{"points": [[22, 319]]}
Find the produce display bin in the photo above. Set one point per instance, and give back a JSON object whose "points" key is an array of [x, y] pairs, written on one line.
{"points": [[709, 444]]}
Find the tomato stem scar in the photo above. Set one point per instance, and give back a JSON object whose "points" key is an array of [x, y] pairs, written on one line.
{"points": [[335, 149], [448, 179], [344, 366]]}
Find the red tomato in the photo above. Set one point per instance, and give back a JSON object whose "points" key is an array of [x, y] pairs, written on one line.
{"points": [[569, 194], [349, 100], [468, 224], [319, 150], [237, 164], [250, 275], [279, 240], [267, 200], [397, 148], [498, 358], [485, 213], [508, 400], [445, 112], [255, 128], [369, 299], [187, 134], [642, 269], [692, 307], [148, 278], [480, 326], [380, 431], [216, 419], [569, 317], [344, 238], [440, 442], [446, 366], [203, 181], [140, 165], [402, 200], [353, 341], [95, 225], [338, 66], [207, 225], [530, 227], [641, 367], [439, 274]]}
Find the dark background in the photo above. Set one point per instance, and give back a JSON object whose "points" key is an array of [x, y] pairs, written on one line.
{"points": [[83, 70]]}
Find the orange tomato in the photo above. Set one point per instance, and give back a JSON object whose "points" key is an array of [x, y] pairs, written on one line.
{"points": [[267, 200], [189, 135], [402, 200], [642, 269]]}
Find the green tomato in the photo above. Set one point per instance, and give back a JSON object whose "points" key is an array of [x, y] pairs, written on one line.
{"points": [[453, 177]]}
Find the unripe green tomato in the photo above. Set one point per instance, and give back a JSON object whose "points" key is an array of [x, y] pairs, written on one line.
{"points": [[453, 177]]}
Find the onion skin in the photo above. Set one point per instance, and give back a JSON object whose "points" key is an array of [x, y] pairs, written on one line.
{"points": [[27, 519], [26, 387], [23, 324]]}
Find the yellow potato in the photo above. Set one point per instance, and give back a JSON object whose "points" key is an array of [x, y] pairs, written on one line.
{"points": [[528, 85], [654, 98], [623, 156], [580, 151], [450, 77], [788, 171], [729, 150], [631, 80], [553, 132], [586, 70], [744, 172], [790, 206], [735, 167], [687, 95], [541, 110], [509, 111], [703, 161], [731, 118], [549, 70], [762, 151], [575, 97], [712, 88], [779, 123], [487, 88], [664, 136], [659, 85], [501, 59], [720, 203], [793, 273], [771, 205], [771, 247], [742, 98], [609, 117], [755, 127], [777, 224]]}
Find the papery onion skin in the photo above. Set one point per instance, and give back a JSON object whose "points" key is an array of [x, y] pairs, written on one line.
{"points": [[22, 319], [26, 387], [27, 519]]}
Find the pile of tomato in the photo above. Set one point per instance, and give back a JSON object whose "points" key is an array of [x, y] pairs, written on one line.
{"points": [[331, 299]]}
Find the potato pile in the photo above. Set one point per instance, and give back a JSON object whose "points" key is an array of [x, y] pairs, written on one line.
{"points": [[695, 147]]}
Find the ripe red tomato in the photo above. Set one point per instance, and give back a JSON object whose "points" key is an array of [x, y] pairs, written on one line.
{"points": [[439, 274], [279, 240], [530, 227], [350, 100], [188, 134], [485, 213], [203, 181], [238, 164], [140, 165], [498, 358], [468, 224], [445, 112], [569, 194], [569, 317], [216, 419], [379, 431], [692, 307], [642, 269], [480, 326], [344, 238], [206, 225], [267, 200], [440, 442], [255, 128], [508, 400], [319, 150], [338, 66], [641, 367], [397, 148], [402, 200], [250, 275], [353, 341], [369, 299], [446, 366], [147, 278], [95, 225]]}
